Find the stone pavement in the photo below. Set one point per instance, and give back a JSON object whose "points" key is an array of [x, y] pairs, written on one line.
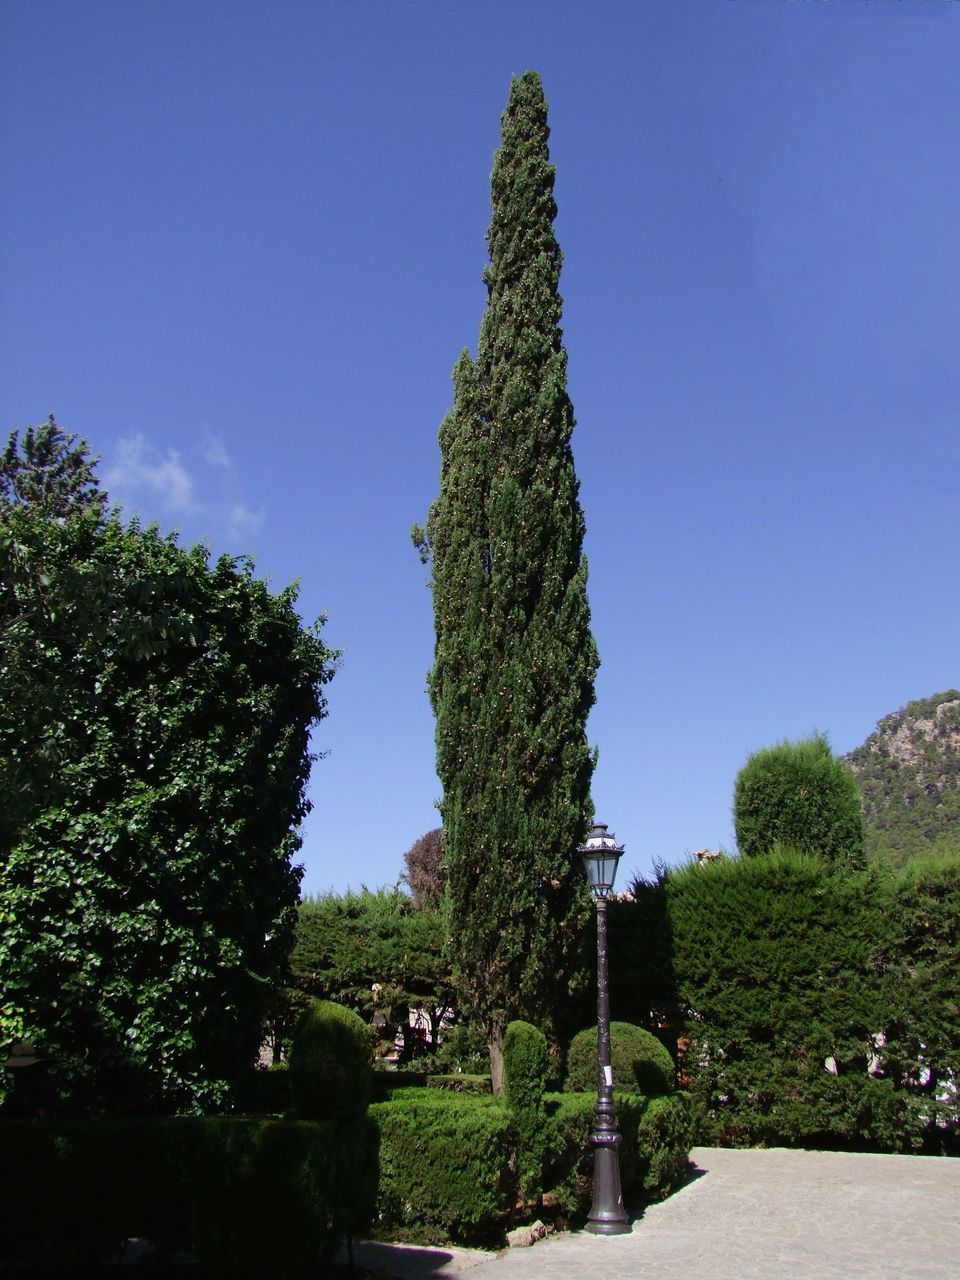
{"points": [[747, 1215]]}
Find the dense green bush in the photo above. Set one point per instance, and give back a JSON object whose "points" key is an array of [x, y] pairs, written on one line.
{"points": [[641, 1064], [799, 794], [460, 1082], [664, 1136], [155, 711], [654, 1152], [821, 1002], [918, 959], [449, 1163], [526, 1062], [331, 1073], [248, 1197], [447, 1167]]}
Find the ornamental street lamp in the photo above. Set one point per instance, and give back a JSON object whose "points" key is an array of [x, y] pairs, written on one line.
{"points": [[607, 1217]]}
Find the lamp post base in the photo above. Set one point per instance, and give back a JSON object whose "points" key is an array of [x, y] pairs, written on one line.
{"points": [[607, 1216]]}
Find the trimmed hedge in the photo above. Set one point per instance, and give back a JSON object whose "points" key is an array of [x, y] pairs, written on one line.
{"points": [[819, 1005], [657, 1135], [460, 1083], [526, 1062], [799, 794], [641, 1064], [248, 1197], [446, 1166], [449, 1162], [331, 1063]]}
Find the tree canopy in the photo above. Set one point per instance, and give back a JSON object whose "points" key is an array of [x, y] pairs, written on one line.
{"points": [[155, 710], [515, 661]]}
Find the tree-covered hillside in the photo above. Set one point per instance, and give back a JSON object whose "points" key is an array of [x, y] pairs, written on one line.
{"points": [[909, 776]]}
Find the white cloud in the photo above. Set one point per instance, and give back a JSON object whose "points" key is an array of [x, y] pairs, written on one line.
{"points": [[141, 470], [214, 451], [244, 519]]}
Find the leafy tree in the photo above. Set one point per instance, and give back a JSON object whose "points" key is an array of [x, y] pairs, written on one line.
{"points": [[512, 681], [154, 719], [51, 471], [425, 873], [800, 795], [377, 954]]}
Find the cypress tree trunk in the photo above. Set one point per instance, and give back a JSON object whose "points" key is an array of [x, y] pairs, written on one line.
{"points": [[515, 661]]}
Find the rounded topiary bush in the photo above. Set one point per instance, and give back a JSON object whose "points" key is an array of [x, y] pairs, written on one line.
{"points": [[799, 794], [526, 1063], [331, 1072], [641, 1064]]}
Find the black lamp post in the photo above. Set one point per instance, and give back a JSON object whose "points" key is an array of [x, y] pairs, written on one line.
{"points": [[607, 1217]]}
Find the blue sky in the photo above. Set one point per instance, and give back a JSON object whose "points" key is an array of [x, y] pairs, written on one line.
{"points": [[240, 249]]}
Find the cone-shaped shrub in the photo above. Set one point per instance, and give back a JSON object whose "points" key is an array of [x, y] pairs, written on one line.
{"points": [[641, 1064], [331, 1074]]}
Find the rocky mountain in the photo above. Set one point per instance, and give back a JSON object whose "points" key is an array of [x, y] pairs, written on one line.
{"points": [[909, 776]]}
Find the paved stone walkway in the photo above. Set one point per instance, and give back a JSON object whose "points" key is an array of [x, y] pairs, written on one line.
{"points": [[747, 1215]]}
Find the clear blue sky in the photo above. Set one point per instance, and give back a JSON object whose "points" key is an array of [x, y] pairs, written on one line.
{"points": [[240, 250]]}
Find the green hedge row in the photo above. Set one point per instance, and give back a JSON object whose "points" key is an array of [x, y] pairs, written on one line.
{"points": [[449, 1164], [248, 1197], [814, 1006]]}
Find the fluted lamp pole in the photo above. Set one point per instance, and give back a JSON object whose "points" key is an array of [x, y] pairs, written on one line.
{"points": [[607, 1217]]}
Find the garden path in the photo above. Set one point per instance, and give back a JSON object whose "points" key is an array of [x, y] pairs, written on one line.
{"points": [[747, 1215]]}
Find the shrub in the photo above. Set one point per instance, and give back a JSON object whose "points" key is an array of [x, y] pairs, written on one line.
{"points": [[799, 794], [460, 1082], [641, 1064], [779, 1050], [654, 1152], [331, 1073], [526, 1061], [249, 1197], [446, 1166], [664, 1137]]}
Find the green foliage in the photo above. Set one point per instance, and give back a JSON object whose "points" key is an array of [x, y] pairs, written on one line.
{"points": [[799, 794], [821, 1004], [375, 952], [654, 1153], [249, 1197], [449, 1163], [664, 1138], [512, 681], [330, 1070], [918, 959], [460, 1082], [526, 1063], [154, 718], [445, 1167], [50, 472], [908, 772], [640, 1062]]}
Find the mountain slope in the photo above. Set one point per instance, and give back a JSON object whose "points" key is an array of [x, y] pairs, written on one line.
{"points": [[909, 776]]}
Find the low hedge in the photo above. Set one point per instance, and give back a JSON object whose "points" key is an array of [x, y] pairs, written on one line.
{"points": [[460, 1083], [449, 1162], [657, 1134], [247, 1197], [446, 1166]]}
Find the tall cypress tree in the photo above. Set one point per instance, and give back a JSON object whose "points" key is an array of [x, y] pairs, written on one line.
{"points": [[515, 661]]}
